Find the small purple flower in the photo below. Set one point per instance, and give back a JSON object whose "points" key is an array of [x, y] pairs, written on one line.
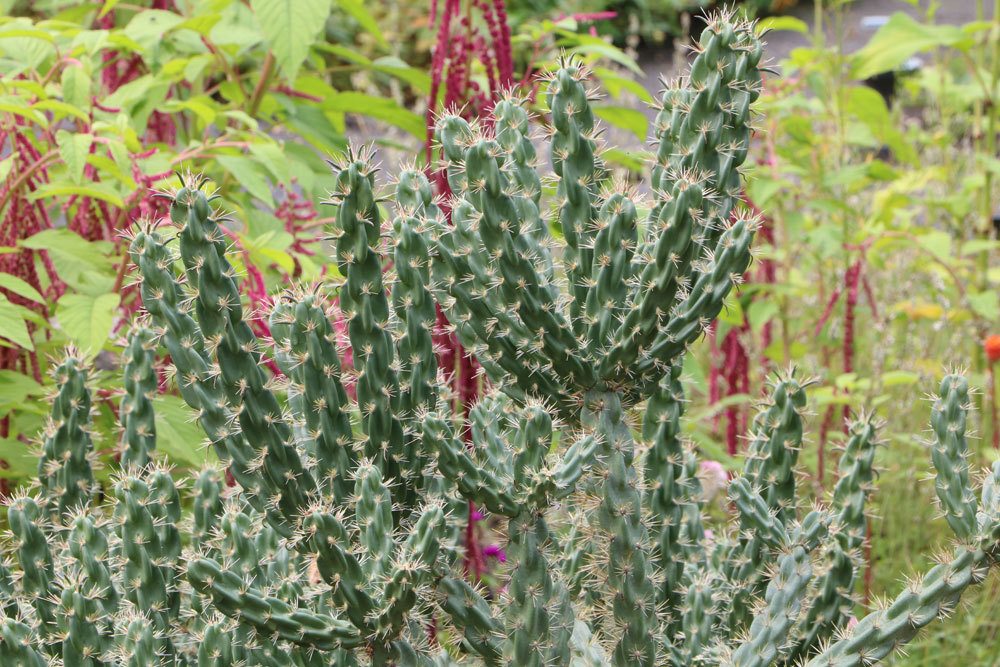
{"points": [[476, 516], [496, 552]]}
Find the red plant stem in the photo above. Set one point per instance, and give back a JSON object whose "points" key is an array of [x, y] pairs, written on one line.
{"points": [[852, 281]]}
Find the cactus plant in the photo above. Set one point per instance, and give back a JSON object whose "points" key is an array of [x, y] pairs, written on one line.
{"points": [[340, 541]]}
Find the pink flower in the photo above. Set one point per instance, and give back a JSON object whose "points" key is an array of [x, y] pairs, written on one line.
{"points": [[852, 622], [714, 478]]}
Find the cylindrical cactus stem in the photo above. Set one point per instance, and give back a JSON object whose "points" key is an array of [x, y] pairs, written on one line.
{"points": [[414, 305], [537, 635], [520, 283], [412, 567], [614, 246], [703, 303], [206, 505], [767, 643], [949, 453], [699, 613], [832, 604], [64, 469], [8, 594], [200, 387], [672, 492], [147, 510], [512, 126], [373, 515], [472, 617], [357, 232], [136, 411], [626, 560], [88, 547], [574, 162], [463, 276], [216, 646], [26, 521], [84, 626], [775, 441], [17, 645], [774, 446], [236, 598], [140, 642], [324, 538], [305, 349], [220, 316]]}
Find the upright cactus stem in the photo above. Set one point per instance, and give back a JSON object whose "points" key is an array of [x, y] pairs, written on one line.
{"points": [[334, 543], [136, 409], [64, 468]]}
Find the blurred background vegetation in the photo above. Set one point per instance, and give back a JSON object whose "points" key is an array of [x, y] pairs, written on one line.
{"points": [[875, 165]]}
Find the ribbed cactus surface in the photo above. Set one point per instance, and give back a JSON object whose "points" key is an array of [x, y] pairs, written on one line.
{"points": [[337, 539]]}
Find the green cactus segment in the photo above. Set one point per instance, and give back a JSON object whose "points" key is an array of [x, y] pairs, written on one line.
{"points": [[463, 280], [412, 300], [783, 599], [200, 387], [831, 607], [773, 450], [755, 516], [512, 126], [306, 352], [472, 617], [626, 563], [89, 551], [374, 518], [64, 468], [949, 453], [220, 315], [136, 410], [363, 300], [148, 510], [206, 506], [17, 645], [327, 538], [538, 636], [704, 301], [26, 520], [769, 467], [613, 252], [270, 616], [515, 257], [412, 567], [573, 161], [703, 130], [673, 491]]}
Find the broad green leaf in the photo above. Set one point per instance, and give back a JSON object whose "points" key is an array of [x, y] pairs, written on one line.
{"points": [[76, 87], [899, 39], [12, 325], [782, 23], [15, 389], [274, 160], [73, 149], [356, 10], [21, 459], [151, 25], [87, 319], [20, 288], [986, 304], [899, 378], [178, 434], [6, 165], [102, 191], [616, 84], [290, 27], [380, 108], [249, 175], [83, 264], [628, 119]]}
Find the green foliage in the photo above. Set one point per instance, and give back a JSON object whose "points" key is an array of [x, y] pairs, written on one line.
{"points": [[336, 544]]}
